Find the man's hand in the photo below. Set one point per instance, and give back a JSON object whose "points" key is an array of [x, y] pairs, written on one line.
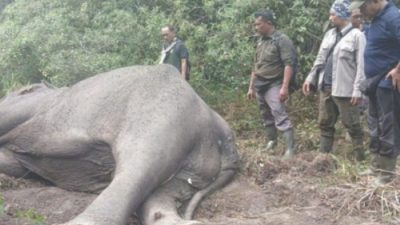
{"points": [[306, 88], [284, 93], [356, 100], [394, 74], [251, 94]]}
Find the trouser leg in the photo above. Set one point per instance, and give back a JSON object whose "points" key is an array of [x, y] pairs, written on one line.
{"points": [[396, 121], [389, 155], [385, 122], [387, 137], [277, 109], [281, 119], [267, 117], [327, 117], [274, 114], [374, 144], [351, 120], [373, 125]]}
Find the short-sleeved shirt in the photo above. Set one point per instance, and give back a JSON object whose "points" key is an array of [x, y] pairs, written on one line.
{"points": [[383, 43], [273, 53], [176, 54]]}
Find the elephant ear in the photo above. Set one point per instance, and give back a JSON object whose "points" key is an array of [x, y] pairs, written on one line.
{"points": [[30, 89]]}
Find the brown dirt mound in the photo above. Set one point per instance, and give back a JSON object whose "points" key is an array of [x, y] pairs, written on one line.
{"points": [[305, 164]]}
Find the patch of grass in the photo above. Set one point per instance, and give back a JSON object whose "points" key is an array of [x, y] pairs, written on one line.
{"points": [[2, 210], [30, 215], [383, 202], [346, 169]]}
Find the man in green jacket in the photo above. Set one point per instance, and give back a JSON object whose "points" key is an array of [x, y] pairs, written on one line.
{"points": [[270, 78]]}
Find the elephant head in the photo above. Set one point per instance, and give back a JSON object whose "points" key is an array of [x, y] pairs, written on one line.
{"points": [[19, 106]]}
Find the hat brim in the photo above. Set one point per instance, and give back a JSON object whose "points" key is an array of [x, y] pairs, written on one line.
{"points": [[356, 4]]}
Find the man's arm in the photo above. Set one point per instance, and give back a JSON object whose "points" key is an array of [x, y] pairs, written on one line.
{"points": [[287, 53], [312, 78], [251, 93], [395, 72], [287, 76], [360, 43], [395, 75], [184, 68], [184, 57]]}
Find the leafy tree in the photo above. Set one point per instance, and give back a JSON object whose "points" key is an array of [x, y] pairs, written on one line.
{"points": [[66, 41]]}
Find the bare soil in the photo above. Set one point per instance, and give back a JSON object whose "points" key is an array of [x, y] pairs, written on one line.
{"points": [[268, 190]]}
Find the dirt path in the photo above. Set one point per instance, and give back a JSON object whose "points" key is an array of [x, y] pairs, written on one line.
{"points": [[275, 193]]}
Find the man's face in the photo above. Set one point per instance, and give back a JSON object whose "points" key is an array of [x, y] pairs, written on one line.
{"points": [[262, 27], [167, 35], [370, 8], [334, 19], [356, 18]]}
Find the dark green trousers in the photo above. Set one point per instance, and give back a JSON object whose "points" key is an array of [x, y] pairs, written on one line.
{"points": [[329, 110]]}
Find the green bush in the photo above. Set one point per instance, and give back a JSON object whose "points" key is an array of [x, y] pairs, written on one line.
{"points": [[66, 41]]}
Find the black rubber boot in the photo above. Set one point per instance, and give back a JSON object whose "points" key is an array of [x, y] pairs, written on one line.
{"points": [[326, 144]]}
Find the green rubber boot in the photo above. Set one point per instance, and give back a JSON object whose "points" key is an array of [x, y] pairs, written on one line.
{"points": [[272, 136], [290, 144]]}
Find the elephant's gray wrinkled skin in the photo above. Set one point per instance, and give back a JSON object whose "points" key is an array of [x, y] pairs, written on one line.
{"points": [[140, 135]]}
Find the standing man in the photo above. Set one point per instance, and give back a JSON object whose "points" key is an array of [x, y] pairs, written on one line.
{"points": [[269, 82], [356, 19], [174, 51], [337, 72], [383, 54]]}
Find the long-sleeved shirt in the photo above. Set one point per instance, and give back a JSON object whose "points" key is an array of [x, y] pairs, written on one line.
{"points": [[347, 62], [383, 43]]}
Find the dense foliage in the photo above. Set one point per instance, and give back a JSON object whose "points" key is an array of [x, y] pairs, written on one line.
{"points": [[66, 41]]}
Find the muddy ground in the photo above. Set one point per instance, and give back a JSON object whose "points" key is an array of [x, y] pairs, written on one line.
{"points": [[302, 191]]}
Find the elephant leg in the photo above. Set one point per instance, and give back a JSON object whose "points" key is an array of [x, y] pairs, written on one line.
{"points": [[141, 166], [10, 166], [161, 207]]}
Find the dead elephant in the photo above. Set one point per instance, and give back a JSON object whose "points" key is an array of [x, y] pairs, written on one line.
{"points": [[140, 135]]}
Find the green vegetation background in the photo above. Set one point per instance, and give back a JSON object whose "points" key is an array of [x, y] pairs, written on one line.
{"points": [[64, 42]]}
